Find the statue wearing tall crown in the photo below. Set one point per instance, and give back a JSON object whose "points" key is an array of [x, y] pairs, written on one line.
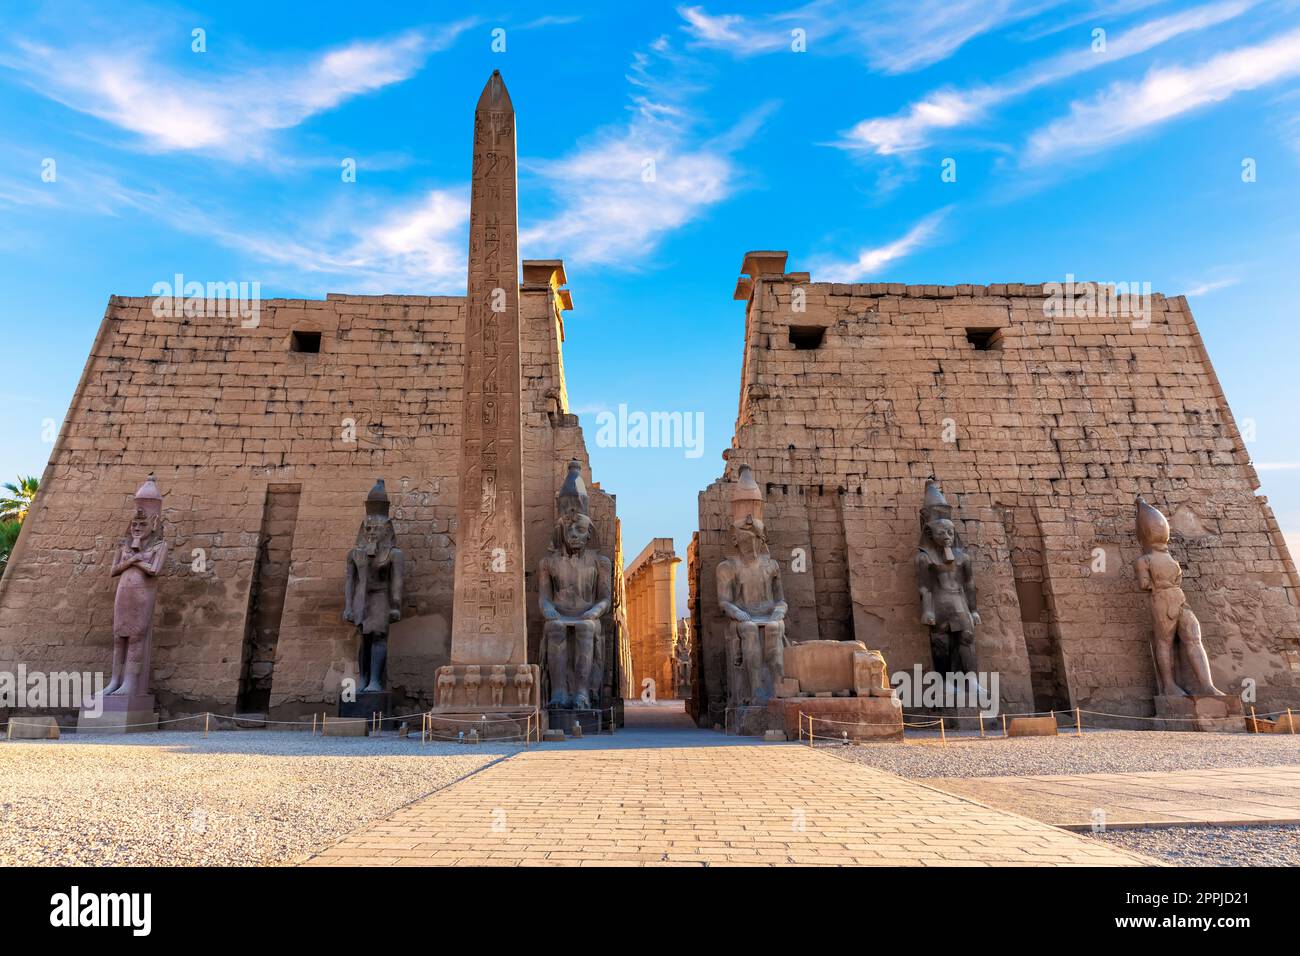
{"points": [[136, 564], [574, 592], [945, 578], [1176, 632], [372, 597], [751, 596]]}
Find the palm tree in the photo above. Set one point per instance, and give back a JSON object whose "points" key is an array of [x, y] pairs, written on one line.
{"points": [[8, 538], [15, 504]]}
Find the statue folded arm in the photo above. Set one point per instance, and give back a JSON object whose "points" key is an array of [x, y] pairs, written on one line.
{"points": [[1143, 568]]}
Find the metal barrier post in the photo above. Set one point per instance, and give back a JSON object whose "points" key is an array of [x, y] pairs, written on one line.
{"points": [[1078, 722]]}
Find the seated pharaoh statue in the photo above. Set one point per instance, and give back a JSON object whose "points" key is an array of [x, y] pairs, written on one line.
{"points": [[750, 594], [574, 591]]}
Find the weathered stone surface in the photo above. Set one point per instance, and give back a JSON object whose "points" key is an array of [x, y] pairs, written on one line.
{"points": [[33, 727], [574, 594], [140, 558], [1053, 432], [1181, 663], [1031, 727], [373, 586], [120, 715], [345, 727], [489, 621], [945, 578], [1220, 713], [862, 718], [261, 448], [749, 593], [653, 632], [822, 665]]}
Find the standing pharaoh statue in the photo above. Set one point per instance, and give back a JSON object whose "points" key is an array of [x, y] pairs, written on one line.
{"points": [[574, 591], [750, 594], [1176, 637], [945, 578], [137, 562], [373, 590]]}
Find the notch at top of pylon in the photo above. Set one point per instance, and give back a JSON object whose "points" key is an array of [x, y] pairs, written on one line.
{"points": [[495, 95]]}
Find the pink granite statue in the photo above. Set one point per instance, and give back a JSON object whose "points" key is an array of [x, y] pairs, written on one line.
{"points": [[1176, 637], [136, 564]]}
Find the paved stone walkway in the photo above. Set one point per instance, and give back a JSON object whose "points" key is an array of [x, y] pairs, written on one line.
{"points": [[1241, 795], [610, 801]]}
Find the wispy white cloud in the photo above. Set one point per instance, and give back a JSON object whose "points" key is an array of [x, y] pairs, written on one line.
{"points": [[913, 128], [1277, 466], [1128, 109], [894, 36], [871, 261], [230, 114], [629, 186], [409, 246], [1205, 288]]}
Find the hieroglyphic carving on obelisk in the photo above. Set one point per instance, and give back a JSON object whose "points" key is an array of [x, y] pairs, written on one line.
{"points": [[489, 624]]}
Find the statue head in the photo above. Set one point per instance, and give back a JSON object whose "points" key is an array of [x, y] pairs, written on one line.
{"points": [[936, 521], [944, 535], [749, 535], [145, 527], [1152, 527], [747, 530], [376, 537], [574, 529]]}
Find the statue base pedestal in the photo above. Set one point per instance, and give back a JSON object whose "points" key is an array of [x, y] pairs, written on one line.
{"points": [[592, 721], [367, 704], [1200, 713], [454, 726], [120, 715], [861, 718]]}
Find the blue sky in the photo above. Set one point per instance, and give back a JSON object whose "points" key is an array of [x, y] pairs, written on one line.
{"points": [[1114, 161]]}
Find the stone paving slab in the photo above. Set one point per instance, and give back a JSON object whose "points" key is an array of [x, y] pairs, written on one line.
{"points": [[1249, 795], [765, 805]]}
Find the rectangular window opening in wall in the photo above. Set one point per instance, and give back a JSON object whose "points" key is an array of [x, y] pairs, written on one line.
{"points": [[305, 342], [807, 336], [985, 340]]}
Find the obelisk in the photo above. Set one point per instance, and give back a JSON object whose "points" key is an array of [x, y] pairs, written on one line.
{"points": [[489, 623]]}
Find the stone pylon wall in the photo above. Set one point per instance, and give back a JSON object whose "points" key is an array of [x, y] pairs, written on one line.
{"points": [[220, 413], [1051, 433]]}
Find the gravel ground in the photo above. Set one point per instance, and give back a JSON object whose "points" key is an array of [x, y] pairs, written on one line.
{"points": [[1212, 846], [1098, 751], [236, 798]]}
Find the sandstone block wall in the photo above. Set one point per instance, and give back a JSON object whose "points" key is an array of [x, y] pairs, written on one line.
{"points": [[652, 616], [233, 421], [1041, 441]]}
